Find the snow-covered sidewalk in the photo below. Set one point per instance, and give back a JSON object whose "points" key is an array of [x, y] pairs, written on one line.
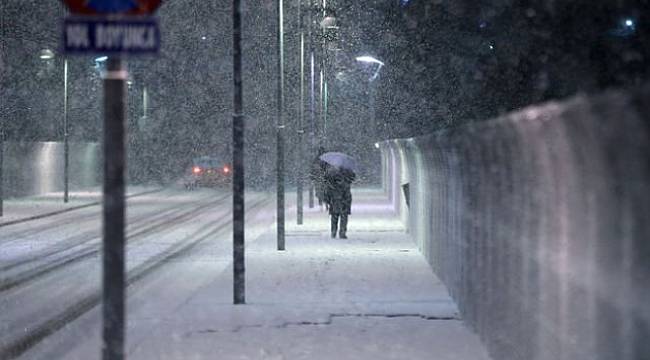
{"points": [[371, 296], [33, 207]]}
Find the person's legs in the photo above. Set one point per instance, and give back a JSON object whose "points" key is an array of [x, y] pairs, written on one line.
{"points": [[335, 222], [344, 226]]}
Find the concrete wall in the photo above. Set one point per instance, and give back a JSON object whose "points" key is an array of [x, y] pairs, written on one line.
{"points": [[539, 224], [32, 168]]}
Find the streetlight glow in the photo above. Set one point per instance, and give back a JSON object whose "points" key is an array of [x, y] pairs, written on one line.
{"points": [[369, 59], [329, 22], [46, 54]]}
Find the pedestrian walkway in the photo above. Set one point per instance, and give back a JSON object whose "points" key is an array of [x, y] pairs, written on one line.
{"points": [[38, 206], [371, 296]]}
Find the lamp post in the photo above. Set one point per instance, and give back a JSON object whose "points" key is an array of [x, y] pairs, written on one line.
{"points": [[328, 27], [301, 125], [280, 131], [46, 55], [312, 94], [238, 125], [2, 146], [371, 60], [2, 117], [66, 145], [323, 81]]}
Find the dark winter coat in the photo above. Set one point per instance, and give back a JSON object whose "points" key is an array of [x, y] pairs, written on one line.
{"points": [[337, 191]]}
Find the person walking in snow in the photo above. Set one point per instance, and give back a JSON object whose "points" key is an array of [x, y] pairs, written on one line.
{"points": [[338, 198]]}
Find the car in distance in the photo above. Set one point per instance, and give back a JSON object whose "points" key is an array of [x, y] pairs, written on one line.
{"points": [[208, 171]]}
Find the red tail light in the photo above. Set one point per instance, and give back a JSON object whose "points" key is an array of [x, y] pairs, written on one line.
{"points": [[226, 169], [196, 170]]}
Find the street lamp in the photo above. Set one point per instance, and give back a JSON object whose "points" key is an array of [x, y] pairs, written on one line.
{"points": [[46, 55], [312, 91], [2, 146], [371, 60], [328, 22], [66, 145], [301, 125], [329, 28], [279, 131]]}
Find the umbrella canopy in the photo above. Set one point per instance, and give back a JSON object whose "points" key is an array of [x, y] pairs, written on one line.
{"points": [[340, 161]]}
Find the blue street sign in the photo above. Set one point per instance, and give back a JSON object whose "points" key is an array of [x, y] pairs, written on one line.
{"points": [[97, 35]]}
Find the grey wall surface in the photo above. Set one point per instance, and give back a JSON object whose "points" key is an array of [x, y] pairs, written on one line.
{"points": [[539, 224], [33, 168]]}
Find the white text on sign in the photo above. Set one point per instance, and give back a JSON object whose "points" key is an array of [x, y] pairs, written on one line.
{"points": [[111, 36]]}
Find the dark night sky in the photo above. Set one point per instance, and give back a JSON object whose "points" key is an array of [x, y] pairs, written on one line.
{"points": [[447, 63], [460, 61]]}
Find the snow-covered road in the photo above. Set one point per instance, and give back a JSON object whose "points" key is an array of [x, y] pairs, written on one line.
{"points": [[50, 269]]}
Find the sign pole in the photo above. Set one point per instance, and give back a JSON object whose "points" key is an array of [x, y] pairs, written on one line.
{"points": [[238, 125], [114, 28], [114, 209]]}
